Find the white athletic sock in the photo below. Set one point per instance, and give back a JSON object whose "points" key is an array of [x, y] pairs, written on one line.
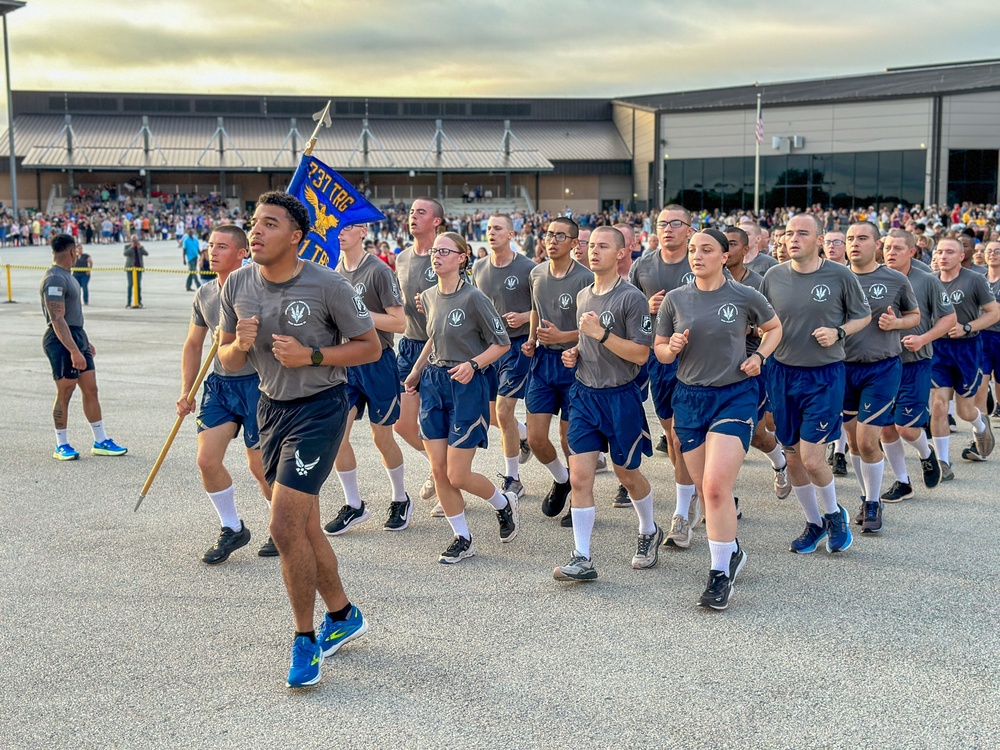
{"points": [[827, 498], [225, 505], [511, 463], [841, 443], [921, 446], [951, 407], [856, 463], [806, 495], [352, 493], [398, 486], [873, 480], [941, 447], [459, 526], [777, 457], [100, 435], [978, 425], [498, 501], [897, 460], [61, 437], [558, 471], [583, 527], [722, 553], [644, 509], [522, 431], [685, 492]]}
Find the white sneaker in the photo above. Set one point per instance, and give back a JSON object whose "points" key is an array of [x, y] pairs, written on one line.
{"points": [[437, 511], [428, 490]]}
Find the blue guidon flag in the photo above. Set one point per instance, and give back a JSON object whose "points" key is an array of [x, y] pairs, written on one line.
{"points": [[333, 204]]}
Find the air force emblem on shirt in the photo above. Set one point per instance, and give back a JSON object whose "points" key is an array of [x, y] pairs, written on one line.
{"points": [[429, 274], [647, 324], [498, 325], [957, 297], [945, 299], [359, 305], [565, 301], [360, 288], [687, 278], [728, 313], [456, 317], [607, 319], [877, 291], [298, 313], [820, 293], [510, 283]]}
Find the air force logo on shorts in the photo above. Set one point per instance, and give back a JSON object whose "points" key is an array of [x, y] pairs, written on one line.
{"points": [[728, 313], [456, 317], [297, 313], [565, 301], [647, 324], [820, 293], [687, 278], [510, 283], [359, 305], [877, 291], [607, 319]]}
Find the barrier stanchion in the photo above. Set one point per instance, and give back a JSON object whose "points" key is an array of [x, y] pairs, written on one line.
{"points": [[10, 289], [135, 286]]}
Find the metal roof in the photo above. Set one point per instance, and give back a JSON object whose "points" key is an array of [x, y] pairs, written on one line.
{"points": [[960, 78], [248, 143]]}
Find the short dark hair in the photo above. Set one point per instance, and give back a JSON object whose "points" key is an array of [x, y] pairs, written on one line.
{"points": [[619, 238], [677, 207], [744, 237], [438, 208], [873, 225], [237, 233], [62, 242], [573, 229], [295, 208]]}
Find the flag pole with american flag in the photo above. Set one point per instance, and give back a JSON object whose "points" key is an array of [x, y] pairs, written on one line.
{"points": [[759, 138]]}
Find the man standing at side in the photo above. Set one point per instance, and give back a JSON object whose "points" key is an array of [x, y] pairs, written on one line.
{"points": [[134, 253], [190, 251], [286, 316]]}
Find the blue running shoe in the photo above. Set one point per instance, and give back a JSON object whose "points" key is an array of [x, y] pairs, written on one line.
{"points": [[335, 633], [808, 540], [306, 660], [66, 453], [108, 448], [838, 530]]}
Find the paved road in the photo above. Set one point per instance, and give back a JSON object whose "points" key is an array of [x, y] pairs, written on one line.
{"points": [[114, 634]]}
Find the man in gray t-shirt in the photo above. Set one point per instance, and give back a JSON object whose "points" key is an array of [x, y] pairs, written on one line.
{"points": [[288, 317]]}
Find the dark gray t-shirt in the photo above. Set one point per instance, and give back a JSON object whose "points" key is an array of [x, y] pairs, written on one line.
{"points": [[761, 263], [994, 287], [718, 322], [969, 292], [317, 307], [650, 275], [58, 285], [461, 325], [415, 275], [205, 314], [921, 265], [753, 280], [828, 297], [883, 288], [375, 283], [555, 299], [625, 311], [508, 287], [934, 304]]}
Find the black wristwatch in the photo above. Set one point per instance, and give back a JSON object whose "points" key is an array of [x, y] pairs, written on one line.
{"points": [[607, 332], [763, 359], [841, 334], [475, 365], [967, 328], [317, 357]]}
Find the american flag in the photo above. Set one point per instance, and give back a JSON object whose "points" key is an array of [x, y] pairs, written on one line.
{"points": [[760, 128]]}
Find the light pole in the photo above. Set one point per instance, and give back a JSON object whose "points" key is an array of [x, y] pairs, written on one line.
{"points": [[9, 6]]}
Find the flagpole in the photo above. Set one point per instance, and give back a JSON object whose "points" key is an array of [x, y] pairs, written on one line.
{"points": [[756, 163], [323, 119]]}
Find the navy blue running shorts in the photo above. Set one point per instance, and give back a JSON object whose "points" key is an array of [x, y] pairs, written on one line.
{"points": [[376, 386], [870, 390], [726, 409], [225, 400], [609, 419], [452, 411], [59, 357], [549, 384], [807, 402]]}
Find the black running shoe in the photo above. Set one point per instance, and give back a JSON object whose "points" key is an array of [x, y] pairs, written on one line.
{"points": [[717, 592], [567, 521], [859, 517], [399, 514], [622, 500], [739, 513], [661, 445], [507, 517], [229, 542], [952, 425], [873, 518], [268, 549], [459, 549], [736, 562], [346, 518], [839, 465], [555, 501], [972, 453], [931, 469], [898, 492]]}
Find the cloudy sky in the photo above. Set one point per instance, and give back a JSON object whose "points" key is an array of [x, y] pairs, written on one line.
{"points": [[477, 47]]}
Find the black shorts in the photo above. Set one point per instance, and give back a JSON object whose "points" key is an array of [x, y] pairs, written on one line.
{"points": [[59, 356], [299, 439]]}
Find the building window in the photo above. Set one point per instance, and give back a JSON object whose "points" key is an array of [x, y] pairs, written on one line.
{"points": [[972, 176]]}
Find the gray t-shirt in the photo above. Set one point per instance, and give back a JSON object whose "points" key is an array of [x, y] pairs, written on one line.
{"points": [[415, 275], [625, 311], [317, 307], [753, 280], [978, 269], [969, 292], [718, 322], [508, 287], [461, 325], [554, 299], [58, 285], [921, 265], [375, 283], [883, 288], [761, 263], [934, 304], [994, 287], [205, 314], [828, 297], [650, 275]]}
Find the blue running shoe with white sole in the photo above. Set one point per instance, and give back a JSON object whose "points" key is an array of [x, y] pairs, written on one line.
{"points": [[66, 453], [108, 448], [306, 660], [838, 530], [335, 633], [808, 540]]}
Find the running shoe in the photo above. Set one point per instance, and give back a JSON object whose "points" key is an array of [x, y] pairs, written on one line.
{"points": [[717, 592], [838, 531], [566, 521], [399, 514], [873, 518], [782, 485], [602, 464], [622, 500], [647, 549], [307, 657], [108, 448], [525, 453], [680, 533], [946, 473], [899, 492], [459, 549], [830, 448], [839, 465], [346, 518], [859, 517], [661, 445], [229, 542], [952, 425], [428, 489], [507, 517], [555, 501], [739, 513], [985, 440], [509, 484], [268, 549], [972, 453], [808, 540], [438, 511], [696, 513], [579, 568], [66, 453], [931, 469], [736, 562], [335, 633]]}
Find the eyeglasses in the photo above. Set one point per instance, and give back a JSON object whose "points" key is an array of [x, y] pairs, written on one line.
{"points": [[834, 243], [444, 251], [674, 224], [557, 236]]}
